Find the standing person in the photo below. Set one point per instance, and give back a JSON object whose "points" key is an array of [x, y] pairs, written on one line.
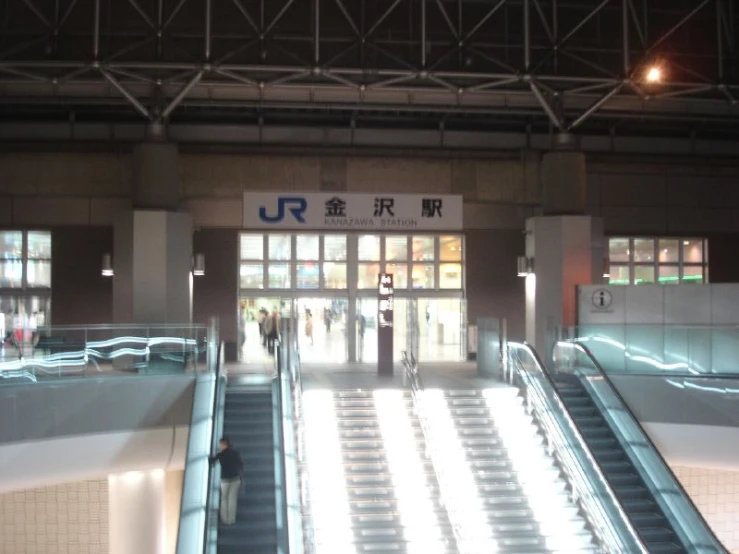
{"points": [[272, 328], [262, 318], [327, 319], [231, 469], [362, 324], [309, 325]]}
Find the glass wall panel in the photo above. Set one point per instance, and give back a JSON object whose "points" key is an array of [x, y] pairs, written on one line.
{"points": [[400, 274], [643, 274], [11, 245], [643, 250], [11, 274], [368, 276], [368, 248], [450, 276], [422, 276], [693, 251], [308, 275], [669, 251], [619, 275], [252, 247], [669, 275], [423, 249], [251, 276], [278, 276], [450, 248], [334, 275], [618, 250], [38, 273], [692, 274], [39, 245], [334, 248], [306, 247], [396, 248], [280, 247]]}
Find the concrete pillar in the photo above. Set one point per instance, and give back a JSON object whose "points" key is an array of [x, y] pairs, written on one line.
{"points": [[564, 181], [156, 182], [137, 513], [566, 251], [152, 264]]}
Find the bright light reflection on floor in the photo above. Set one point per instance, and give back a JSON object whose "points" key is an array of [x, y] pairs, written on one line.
{"points": [[327, 483], [459, 490], [544, 489], [420, 525]]}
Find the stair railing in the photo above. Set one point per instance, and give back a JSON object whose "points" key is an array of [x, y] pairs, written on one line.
{"points": [[590, 489], [688, 523], [412, 378]]}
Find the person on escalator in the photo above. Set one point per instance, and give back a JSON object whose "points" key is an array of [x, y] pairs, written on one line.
{"points": [[232, 468]]}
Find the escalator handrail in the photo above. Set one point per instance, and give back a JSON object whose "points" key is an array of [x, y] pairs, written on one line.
{"points": [[624, 520], [627, 409]]}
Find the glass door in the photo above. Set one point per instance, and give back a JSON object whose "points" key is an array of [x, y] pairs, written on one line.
{"points": [[440, 329], [322, 329]]}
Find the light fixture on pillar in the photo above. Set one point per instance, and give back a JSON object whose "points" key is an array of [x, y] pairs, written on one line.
{"points": [[525, 266], [107, 270], [198, 265], [606, 268]]}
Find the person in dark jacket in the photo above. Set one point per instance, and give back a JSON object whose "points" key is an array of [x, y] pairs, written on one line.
{"points": [[231, 469]]}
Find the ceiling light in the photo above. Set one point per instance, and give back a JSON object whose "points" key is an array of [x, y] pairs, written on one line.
{"points": [[654, 74]]}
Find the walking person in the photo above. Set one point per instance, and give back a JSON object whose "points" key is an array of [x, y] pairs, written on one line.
{"points": [[272, 329], [309, 325], [231, 469], [361, 325]]}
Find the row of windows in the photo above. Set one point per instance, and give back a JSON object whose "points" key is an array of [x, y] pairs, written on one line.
{"points": [[311, 261], [25, 259], [637, 260]]}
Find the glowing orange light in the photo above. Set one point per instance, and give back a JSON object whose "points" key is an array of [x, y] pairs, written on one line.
{"points": [[654, 74]]}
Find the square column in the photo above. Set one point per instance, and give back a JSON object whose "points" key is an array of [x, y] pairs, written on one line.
{"points": [[152, 262], [567, 251]]}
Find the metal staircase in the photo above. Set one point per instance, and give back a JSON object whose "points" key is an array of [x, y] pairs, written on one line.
{"points": [[372, 490], [519, 498], [637, 501], [248, 421]]}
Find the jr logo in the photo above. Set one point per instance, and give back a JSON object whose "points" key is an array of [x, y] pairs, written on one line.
{"points": [[294, 204]]}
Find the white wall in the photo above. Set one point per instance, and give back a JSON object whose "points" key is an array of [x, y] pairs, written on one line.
{"points": [[716, 494], [70, 518]]}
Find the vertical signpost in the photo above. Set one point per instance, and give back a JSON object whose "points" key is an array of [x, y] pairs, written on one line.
{"points": [[385, 294]]}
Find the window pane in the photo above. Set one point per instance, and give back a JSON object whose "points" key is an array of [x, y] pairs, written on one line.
{"points": [[39, 245], [11, 273], [280, 247], [334, 248], [668, 275], [368, 275], [306, 247], [618, 250], [644, 250], [422, 276], [38, 274], [11, 245], [252, 247], [369, 248], [643, 274], [400, 274], [251, 276], [334, 275], [692, 274], [619, 275], [450, 249], [669, 250], [450, 276], [693, 251], [308, 275], [278, 276], [423, 249], [396, 249]]}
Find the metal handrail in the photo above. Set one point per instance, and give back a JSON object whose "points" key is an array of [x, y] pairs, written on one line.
{"points": [[412, 377], [647, 439], [621, 533]]}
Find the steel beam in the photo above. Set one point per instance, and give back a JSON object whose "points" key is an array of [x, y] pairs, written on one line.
{"points": [[592, 109], [32, 6], [545, 105], [207, 41], [381, 19], [625, 36], [127, 95], [526, 36], [181, 96], [583, 21], [679, 24]]}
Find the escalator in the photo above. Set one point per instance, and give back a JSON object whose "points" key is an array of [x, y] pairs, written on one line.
{"points": [[249, 423], [660, 511], [635, 497]]}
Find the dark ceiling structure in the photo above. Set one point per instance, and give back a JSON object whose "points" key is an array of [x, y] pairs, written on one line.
{"points": [[570, 66]]}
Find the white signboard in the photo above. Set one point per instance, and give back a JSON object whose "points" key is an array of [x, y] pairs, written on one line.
{"points": [[344, 211]]}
